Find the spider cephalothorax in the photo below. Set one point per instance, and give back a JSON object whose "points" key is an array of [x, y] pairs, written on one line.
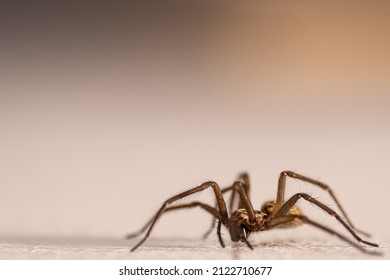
{"points": [[240, 227], [245, 220]]}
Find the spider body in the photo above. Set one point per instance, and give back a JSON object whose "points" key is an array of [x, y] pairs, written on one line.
{"points": [[240, 226], [246, 220]]}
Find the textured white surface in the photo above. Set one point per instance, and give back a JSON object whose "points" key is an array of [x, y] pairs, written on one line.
{"points": [[274, 248]]}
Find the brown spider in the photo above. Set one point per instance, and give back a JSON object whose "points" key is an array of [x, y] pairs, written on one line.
{"points": [[245, 220]]}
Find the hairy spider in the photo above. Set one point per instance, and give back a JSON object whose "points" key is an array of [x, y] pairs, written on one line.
{"points": [[245, 220]]}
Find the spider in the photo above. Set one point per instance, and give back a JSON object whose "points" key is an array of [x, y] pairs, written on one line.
{"points": [[245, 220]]}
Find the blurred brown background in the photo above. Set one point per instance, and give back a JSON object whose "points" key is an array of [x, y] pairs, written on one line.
{"points": [[107, 108]]}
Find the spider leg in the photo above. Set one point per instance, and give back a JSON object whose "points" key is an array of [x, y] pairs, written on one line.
{"points": [[236, 229], [206, 207], [245, 179], [241, 189], [273, 222], [223, 215], [207, 233], [248, 244], [219, 234], [289, 203], [282, 186]]}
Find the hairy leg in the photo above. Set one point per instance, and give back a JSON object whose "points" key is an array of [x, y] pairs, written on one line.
{"points": [[223, 214], [292, 201], [273, 222], [208, 208], [282, 186], [244, 177]]}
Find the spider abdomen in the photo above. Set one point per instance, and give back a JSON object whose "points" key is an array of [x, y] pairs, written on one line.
{"points": [[269, 209], [296, 222]]}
